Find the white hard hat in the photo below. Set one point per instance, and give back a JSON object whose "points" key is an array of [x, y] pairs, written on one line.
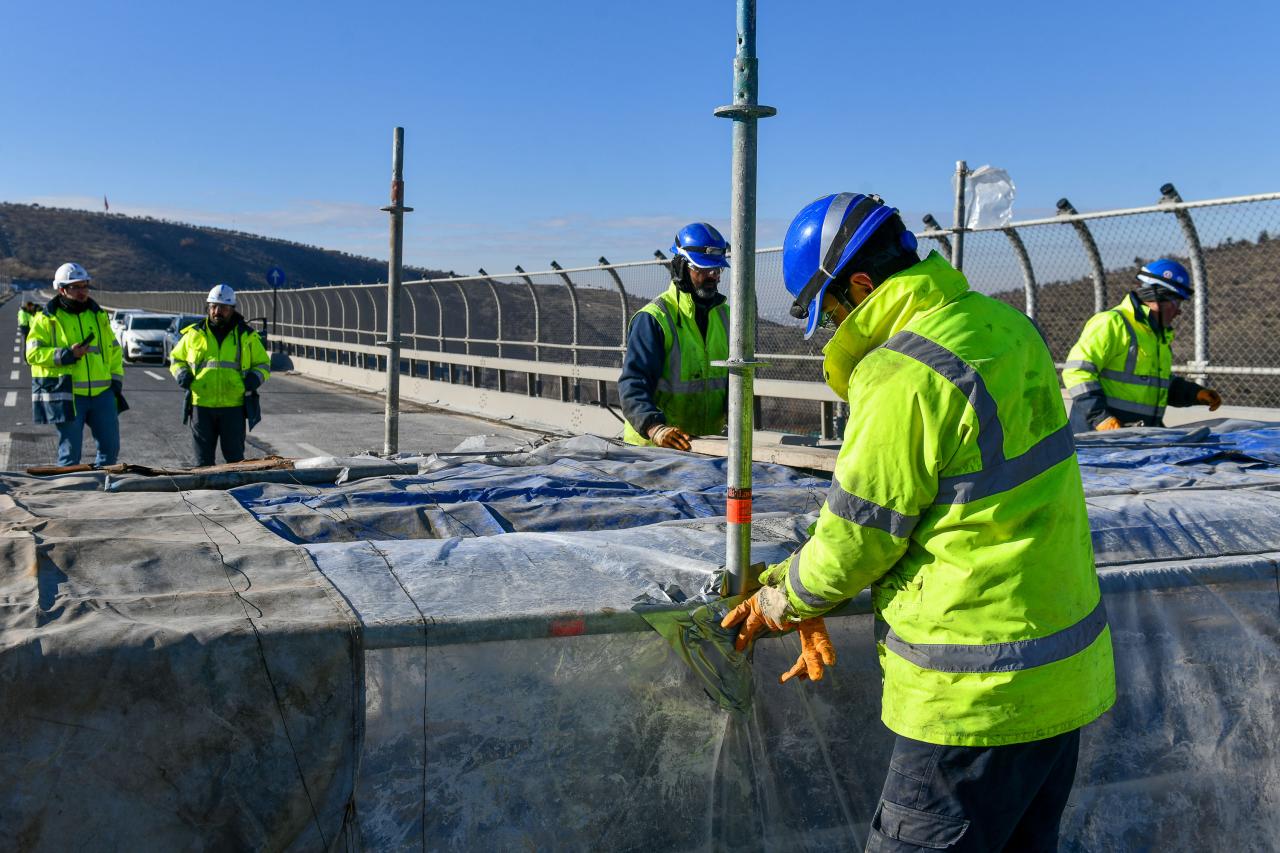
{"points": [[221, 295], [68, 273]]}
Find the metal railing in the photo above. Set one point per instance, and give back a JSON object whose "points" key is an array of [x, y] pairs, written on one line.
{"points": [[559, 327]]}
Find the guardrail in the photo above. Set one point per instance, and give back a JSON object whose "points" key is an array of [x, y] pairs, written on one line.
{"points": [[559, 333]]}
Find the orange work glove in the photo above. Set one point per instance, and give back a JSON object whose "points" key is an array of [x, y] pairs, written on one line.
{"points": [[665, 435], [816, 651], [764, 611], [1110, 423], [1209, 397]]}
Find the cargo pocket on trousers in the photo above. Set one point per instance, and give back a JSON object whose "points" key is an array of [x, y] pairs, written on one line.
{"points": [[913, 826]]}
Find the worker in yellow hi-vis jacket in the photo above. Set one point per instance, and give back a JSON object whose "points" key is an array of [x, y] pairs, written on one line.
{"points": [[220, 362], [956, 495]]}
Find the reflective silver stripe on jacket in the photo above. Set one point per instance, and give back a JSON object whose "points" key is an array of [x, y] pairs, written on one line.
{"points": [[1085, 388], [867, 513], [1135, 378], [1135, 409], [1008, 473], [93, 383], [793, 579], [961, 374], [1076, 364], [51, 396], [1003, 657], [672, 383], [206, 365], [998, 473], [1130, 374]]}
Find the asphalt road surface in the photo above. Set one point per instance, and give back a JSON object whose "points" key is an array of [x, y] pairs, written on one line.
{"points": [[300, 417]]}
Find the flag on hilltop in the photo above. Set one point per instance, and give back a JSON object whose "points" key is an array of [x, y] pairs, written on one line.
{"points": [[105, 206]]}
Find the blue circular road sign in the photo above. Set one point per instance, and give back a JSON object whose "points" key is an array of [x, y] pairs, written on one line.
{"points": [[275, 276]]}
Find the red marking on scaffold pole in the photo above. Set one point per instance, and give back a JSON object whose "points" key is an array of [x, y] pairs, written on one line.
{"points": [[738, 506]]}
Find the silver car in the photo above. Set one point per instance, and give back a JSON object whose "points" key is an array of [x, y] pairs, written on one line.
{"points": [[173, 333]]}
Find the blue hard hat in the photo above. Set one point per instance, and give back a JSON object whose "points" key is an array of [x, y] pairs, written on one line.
{"points": [[702, 244], [1168, 276], [821, 240]]}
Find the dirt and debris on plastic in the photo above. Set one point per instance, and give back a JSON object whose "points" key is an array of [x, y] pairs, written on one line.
{"points": [[453, 659]]}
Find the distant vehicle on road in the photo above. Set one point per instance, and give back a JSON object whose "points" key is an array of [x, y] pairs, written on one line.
{"points": [[173, 333], [118, 316], [143, 336]]}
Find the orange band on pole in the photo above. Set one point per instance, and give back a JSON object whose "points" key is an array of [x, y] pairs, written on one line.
{"points": [[738, 506]]}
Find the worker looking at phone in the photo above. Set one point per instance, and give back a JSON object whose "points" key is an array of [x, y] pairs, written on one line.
{"points": [[77, 370]]}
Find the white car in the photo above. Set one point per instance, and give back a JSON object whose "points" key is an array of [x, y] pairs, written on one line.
{"points": [[143, 336], [118, 318]]}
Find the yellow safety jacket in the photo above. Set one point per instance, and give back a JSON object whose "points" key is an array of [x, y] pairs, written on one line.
{"points": [[957, 496], [56, 380], [1123, 368], [691, 393], [219, 369]]}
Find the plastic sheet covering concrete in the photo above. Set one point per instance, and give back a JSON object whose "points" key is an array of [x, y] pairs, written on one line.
{"points": [[454, 663]]}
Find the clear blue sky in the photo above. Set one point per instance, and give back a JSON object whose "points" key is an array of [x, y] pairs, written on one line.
{"points": [[568, 130]]}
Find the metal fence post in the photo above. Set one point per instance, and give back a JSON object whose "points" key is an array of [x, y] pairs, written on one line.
{"points": [[531, 379], [573, 300], [932, 224], [395, 266], [1096, 269], [413, 337], [493, 290], [1199, 279], [622, 295], [957, 254], [1028, 273], [745, 111]]}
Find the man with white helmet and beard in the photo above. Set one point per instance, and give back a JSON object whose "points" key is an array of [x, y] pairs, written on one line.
{"points": [[220, 363], [77, 369], [668, 388]]}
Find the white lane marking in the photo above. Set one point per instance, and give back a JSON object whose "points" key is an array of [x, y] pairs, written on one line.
{"points": [[15, 349], [6, 442], [311, 448], [15, 359], [154, 375], [13, 374], [11, 398]]}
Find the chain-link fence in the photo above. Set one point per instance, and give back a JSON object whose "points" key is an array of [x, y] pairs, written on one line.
{"points": [[1059, 270]]}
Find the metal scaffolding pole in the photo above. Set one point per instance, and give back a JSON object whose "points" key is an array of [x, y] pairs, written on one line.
{"points": [[957, 253], [395, 266], [744, 111]]}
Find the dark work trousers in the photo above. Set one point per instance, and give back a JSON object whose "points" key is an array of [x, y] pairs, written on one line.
{"points": [[974, 798], [208, 426]]}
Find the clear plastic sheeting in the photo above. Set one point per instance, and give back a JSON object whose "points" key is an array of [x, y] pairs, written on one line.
{"points": [[458, 666], [988, 197]]}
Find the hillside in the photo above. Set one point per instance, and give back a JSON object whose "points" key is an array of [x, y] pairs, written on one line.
{"points": [[129, 253]]}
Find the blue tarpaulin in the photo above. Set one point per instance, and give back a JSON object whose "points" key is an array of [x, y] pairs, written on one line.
{"points": [[449, 660]]}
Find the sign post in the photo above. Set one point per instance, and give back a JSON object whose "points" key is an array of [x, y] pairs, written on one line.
{"points": [[275, 276]]}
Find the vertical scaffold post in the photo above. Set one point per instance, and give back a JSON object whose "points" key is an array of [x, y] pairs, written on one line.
{"points": [[1199, 280], [744, 111], [395, 266], [957, 252]]}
